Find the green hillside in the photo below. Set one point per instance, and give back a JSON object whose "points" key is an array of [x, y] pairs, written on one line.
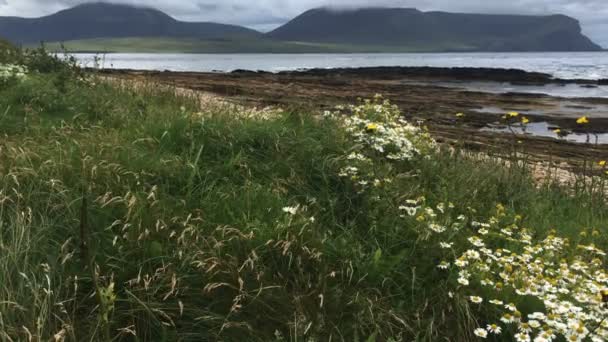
{"points": [[130, 211], [171, 45], [97, 20]]}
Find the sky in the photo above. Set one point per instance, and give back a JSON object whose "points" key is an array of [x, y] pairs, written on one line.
{"points": [[268, 14]]}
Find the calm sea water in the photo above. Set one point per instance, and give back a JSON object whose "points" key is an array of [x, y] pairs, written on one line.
{"points": [[582, 65]]}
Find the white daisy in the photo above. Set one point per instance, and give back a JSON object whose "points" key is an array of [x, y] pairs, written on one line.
{"points": [[481, 333]]}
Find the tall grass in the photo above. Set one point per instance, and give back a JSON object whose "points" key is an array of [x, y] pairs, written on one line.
{"points": [[134, 214]]}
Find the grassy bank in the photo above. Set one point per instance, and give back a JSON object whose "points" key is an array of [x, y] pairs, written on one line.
{"points": [[133, 213]]}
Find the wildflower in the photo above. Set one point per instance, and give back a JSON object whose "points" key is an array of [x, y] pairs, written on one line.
{"points": [[476, 241], [445, 245], [512, 114], [522, 337], [461, 263], [602, 163], [291, 210], [463, 281], [557, 131], [411, 211], [444, 265], [507, 318], [496, 302], [479, 332], [460, 115], [494, 329], [472, 255], [476, 299], [537, 316], [582, 120], [437, 228], [525, 120], [372, 127]]}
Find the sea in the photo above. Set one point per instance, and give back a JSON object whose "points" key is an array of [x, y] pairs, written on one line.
{"points": [[570, 65], [566, 65]]}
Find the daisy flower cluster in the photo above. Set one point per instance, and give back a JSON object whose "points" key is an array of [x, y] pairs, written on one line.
{"points": [[562, 286], [11, 71], [379, 132]]}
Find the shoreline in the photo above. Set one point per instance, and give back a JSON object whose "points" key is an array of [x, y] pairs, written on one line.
{"points": [[320, 89], [510, 75]]}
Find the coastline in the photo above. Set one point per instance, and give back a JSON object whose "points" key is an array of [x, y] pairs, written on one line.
{"points": [[419, 93]]}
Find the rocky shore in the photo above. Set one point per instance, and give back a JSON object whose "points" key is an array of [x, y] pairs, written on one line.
{"points": [[422, 95]]}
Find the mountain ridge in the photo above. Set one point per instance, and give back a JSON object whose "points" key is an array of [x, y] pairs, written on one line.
{"points": [[102, 20], [364, 29], [457, 31]]}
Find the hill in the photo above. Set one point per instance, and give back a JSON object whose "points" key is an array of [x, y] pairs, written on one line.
{"points": [[102, 20], [136, 211], [102, 27], [436, 30], [194, 45]]}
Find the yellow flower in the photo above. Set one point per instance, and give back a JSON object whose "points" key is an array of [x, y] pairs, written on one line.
{"points": [[525, 120], [582, 120], [557, 131], [602, 163], [513, 114], [372, 127], [604, 295], [460, 115]]}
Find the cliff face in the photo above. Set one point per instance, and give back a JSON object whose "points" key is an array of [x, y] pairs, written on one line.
{"points": [[437, 30], [101, 20]]}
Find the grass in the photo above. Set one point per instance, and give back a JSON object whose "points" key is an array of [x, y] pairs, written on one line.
{"points": [[131, 213], [5, 44], [184, 45]]}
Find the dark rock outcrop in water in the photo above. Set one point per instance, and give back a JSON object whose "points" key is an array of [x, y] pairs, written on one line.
{"points": [[425, 74], [513, 76], [457, 74], [436, 31], [103, 20]]}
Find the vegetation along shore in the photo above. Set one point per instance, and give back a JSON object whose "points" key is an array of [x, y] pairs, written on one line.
{"points": [[431, 95], [132, 208]]}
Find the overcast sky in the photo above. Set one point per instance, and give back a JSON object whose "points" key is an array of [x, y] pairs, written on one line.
{"points": [[267, 14]]}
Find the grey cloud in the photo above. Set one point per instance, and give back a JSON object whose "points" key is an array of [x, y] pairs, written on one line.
{"points": [[267, 14]]}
